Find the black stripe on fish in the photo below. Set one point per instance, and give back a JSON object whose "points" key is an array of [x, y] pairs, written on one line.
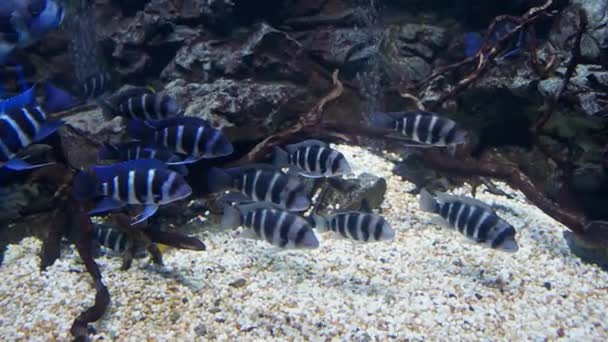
{"points": [[454, 208], [462, 218], [436, 131], [444, 209], [333, 224], [335, 164], [262, 185], [378, 229], [311, 159], [486, 226], [286, 227], [451, 134], [141, 185], [353, 220], [409, 125], [257, 221], [324, 160], [476, 214], [506, 232], [424, 127], [270, 225], [342, 225], [365, 227], [300, 235], [302, 159]]}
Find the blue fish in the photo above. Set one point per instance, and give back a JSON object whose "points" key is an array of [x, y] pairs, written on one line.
{"points": [[140, 103], [19, 128], [23, 99], [23, 22], [137, 150], [475, 42], [260, 183], [91, 88], [188, 136], [146, 182]]}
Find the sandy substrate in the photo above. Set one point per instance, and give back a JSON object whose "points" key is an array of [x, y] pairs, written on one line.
{"points": [[427, 284]]}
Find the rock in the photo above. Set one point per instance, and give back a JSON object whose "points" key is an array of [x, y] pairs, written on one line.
{"points": [[337, 47], [590, 246], [240, 282], [265, 52], [200, 330], [258, 109], [347, 194]]}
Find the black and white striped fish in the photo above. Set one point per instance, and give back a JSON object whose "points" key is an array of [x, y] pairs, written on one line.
{"points": [[77, 93], [261, 183], [472, 218], [421, 127], [312, 158], [265, 222], [140, 103], [134, 150], [189, 136], [146, 182], [112, 239], [94, 86], [19, 128], [355, 225]]}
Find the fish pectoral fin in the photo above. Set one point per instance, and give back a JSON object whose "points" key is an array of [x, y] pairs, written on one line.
{"points": [[106, 204], [47, 129], [248, 234], [147, 212], [440, 221], [20, 165], [307, 174], [191, 160]]}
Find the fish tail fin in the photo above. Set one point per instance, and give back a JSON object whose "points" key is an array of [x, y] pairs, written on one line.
{"points": [[108, 151], [427, 202], [460, 137], [280, 157], [21, 77], [138, 129], [107, 109], [380, 120], [85, 186], [318, 222], [231, 218], [218, 180], [58, 99]]}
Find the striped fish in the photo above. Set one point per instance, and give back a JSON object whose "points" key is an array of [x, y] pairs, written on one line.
{"points": [[312, 158], [188, 136], [94, 86], [112, 239], [275, 226], [19, 128], [474, 219], [355, 225], [260, 183], [137, 150], [141, 103], [146, 182], [423, 128], [77, 93]]}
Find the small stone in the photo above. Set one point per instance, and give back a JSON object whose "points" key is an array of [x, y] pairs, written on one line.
{"points": [[238, 282], [547, 285], [200, 330]]}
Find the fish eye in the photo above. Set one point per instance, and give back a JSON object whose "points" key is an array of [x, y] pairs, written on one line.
{"points": [[36, 7]]}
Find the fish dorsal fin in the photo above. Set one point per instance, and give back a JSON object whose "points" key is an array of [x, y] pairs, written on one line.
{"points": [[365, 207], [443, 197], [305, 143], [131, 165], [127, 94], [180, 120], [257, 166]]}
